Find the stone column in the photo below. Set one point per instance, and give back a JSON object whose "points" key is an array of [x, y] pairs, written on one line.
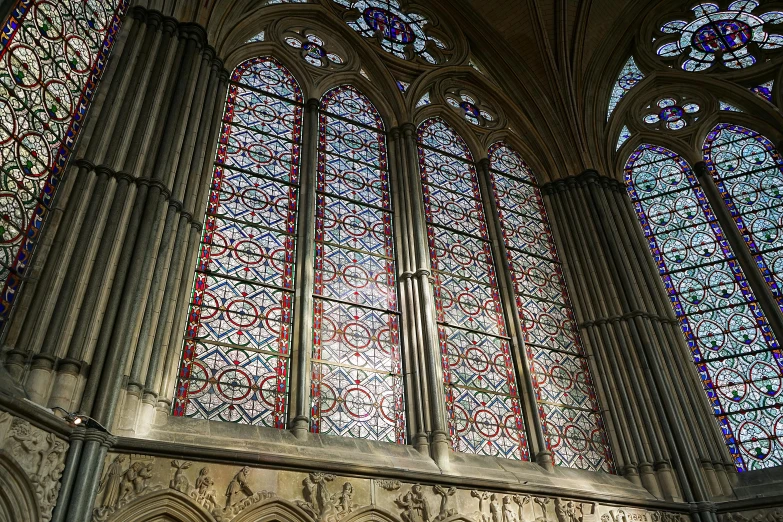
{"points": [[535, 431], [628, 327], [302, 342], [415, 383], [424, 302]]}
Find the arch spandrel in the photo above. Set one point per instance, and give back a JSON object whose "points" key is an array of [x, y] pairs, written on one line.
{"points": [[166, 505]]}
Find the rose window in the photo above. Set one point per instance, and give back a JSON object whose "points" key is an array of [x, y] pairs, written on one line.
{"points": [[731, 37], [313, 50], [670, 114], [472, 110], [403, 34]]}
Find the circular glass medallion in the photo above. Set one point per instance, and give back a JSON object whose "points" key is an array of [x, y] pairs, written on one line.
{"points": [[313, 50], [470, 109], [722, 36], [393, 28], [671, 113]]}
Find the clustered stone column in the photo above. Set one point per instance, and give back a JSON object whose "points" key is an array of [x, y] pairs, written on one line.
{"points": [[657, 414], [102, 330]]}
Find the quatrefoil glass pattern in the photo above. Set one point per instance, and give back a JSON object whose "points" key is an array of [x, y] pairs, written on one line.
{"points": [[670, 114], [53, 55], [400, 33], [470, 107], [729, 37], [313, 50]]}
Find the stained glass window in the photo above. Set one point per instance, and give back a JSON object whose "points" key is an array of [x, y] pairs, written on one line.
{"points": [[470, 108], [629, 77], [725, 106], [313, 49], [478, 369], [732, 345], [357, 388], [566, 398], [54, 54], [671, 114], [764, 90], [257, 38], [749, 173], [403, 86], [424, 100], [625, 135], [402, 33], [235, 355], [716, 36]]}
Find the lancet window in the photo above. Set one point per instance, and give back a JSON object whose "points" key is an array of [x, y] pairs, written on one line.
{"points": [[235, 357], [357, 387]]}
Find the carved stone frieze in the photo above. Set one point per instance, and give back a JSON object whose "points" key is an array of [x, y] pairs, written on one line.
{"points": [[760, 515], [40, 454], [229, 493]]}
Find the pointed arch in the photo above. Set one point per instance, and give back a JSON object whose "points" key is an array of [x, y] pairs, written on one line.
{"points": [[371, 514], [236, 347], [17, 494], [748, 170], [273, 510], [169, 503], [730, 340], [569, 409], [483, 405], [357, 387]]}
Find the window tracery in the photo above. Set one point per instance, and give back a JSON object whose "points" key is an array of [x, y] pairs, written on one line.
{"points": [[566, 398], [313, 49], [625, 135], [671, 113], [482, 399], [734, 37], [726, 106], [235, 355], [732, 345], [471, 108], [357, 387], [400, 32], [54, 54], [629, 77]]}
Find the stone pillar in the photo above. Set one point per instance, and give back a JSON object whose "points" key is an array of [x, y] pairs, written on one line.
{"points": [[302, 343], [630, 330], [411, 343], [535, 432], [424, 304]]}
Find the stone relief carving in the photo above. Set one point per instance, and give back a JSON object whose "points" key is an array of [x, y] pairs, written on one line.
{"points": [[120, 485], [415, 507], [40, 454], [775, 515], [322, 505], [542, 501], [389, 485]]}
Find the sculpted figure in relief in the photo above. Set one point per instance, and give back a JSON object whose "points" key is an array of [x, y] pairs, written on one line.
{"points": [[238, 489], [204, 492], [508, 511], [110, 484], [416, 508], [494, 509]]}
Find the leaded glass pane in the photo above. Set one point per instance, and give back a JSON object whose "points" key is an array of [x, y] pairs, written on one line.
{"points": [[568, 406], [482, 399], [749, 173], [235, 356], [53, 54], [357, 388], [629, 77], [732, 345]]}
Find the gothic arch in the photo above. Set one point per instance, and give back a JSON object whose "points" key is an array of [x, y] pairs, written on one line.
{"points": [[17, 496], [459, 125], [274, 510], [162, 505], [371, 514]]}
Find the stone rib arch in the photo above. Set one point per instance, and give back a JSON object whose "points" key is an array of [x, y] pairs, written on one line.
{"points": [[273, 510], [165, 505], [17, 496]]}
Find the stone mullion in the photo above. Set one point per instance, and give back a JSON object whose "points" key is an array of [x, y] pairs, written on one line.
{"points": [[302, 341], [671, 423], [171, 341], [440, 444], [607, 342], [178, 279], [608, 389], [402, 235], [535, 431], [673, 346], [756, 281]]}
